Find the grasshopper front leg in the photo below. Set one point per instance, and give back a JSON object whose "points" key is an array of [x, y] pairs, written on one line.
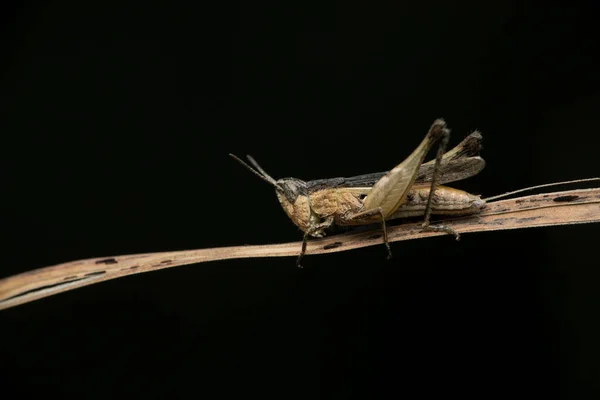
{"points": [[309, 232]]}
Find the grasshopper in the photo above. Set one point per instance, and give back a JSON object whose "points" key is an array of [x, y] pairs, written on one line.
{"points": [[412, 188]]}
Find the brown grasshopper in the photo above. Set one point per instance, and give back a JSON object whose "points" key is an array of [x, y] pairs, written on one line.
{"points": [[412, 188]]}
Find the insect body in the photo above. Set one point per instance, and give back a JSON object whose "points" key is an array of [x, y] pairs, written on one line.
{"points": [[412, 188]]}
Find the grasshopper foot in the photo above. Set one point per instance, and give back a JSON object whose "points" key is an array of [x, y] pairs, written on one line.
{"points": [[389, 250], [389, 256], [441, 228]]}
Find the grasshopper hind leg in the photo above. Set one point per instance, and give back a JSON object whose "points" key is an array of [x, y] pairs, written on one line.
{"points": [[426, 226], [441, 228]]}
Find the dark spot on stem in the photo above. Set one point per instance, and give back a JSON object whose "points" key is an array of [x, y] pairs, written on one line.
{"points": [[97, 273], [333, 245], [107, 261], [130, 268], [499, 221], [523, 220], [565, 199], [373, 237]]}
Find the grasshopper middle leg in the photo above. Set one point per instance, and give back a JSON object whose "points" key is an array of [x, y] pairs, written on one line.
{"points": [[368, 214]]}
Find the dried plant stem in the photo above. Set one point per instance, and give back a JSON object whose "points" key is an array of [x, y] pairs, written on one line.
{"points": [[549, 209]]}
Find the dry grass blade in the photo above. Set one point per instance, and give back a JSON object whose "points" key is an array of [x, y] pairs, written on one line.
{"points": [[548, 209]]}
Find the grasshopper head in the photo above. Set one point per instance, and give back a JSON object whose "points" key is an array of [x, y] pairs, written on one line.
{"points": [[293, 196], [289, 189]]}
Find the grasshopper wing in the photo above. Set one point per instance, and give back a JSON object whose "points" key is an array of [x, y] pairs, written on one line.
{"points": [[460, 163]]}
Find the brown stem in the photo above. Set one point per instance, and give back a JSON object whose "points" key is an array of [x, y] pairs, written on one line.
{"points": [[549, 209]]}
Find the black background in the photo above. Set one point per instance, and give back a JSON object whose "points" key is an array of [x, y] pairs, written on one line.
{"points": [[116, 122]]}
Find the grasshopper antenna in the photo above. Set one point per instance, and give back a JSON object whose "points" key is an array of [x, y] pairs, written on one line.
{"points": [[541, 186], [258, 171]]}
